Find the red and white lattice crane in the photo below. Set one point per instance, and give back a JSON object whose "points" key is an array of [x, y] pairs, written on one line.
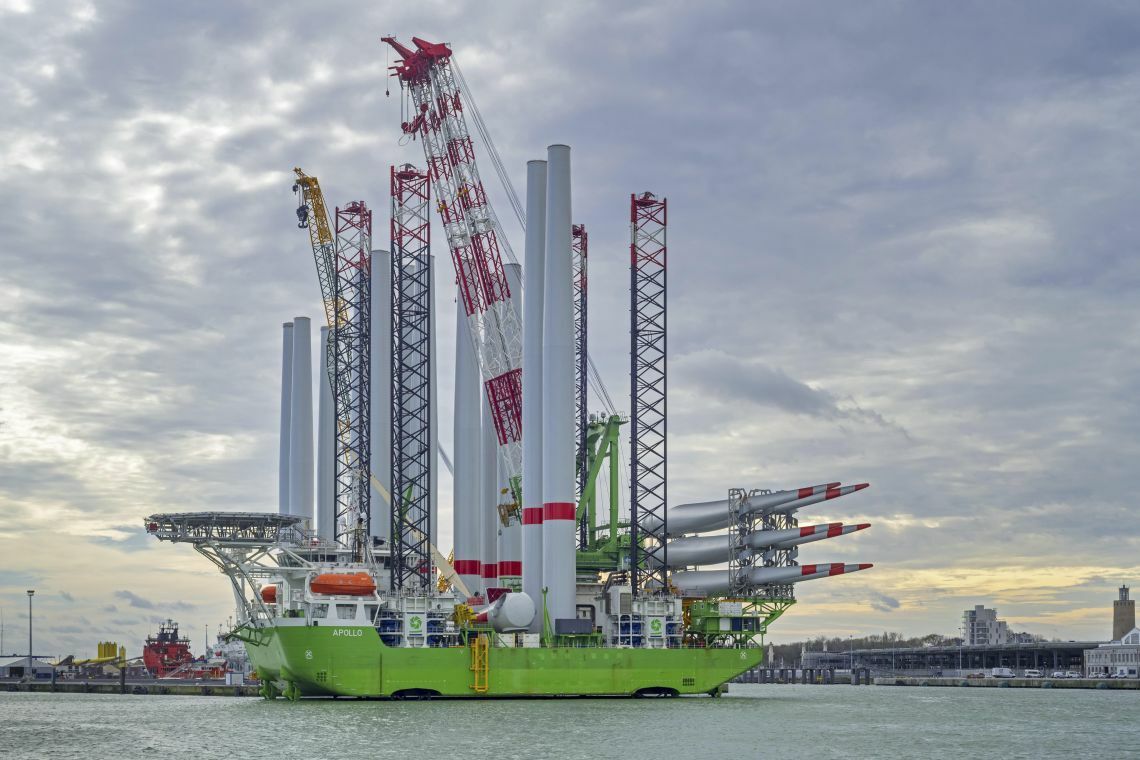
{"points": [[473, 234]]}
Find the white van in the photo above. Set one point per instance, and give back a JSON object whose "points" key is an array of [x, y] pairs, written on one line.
{"points": [[1001, 673], [1031, 673]]}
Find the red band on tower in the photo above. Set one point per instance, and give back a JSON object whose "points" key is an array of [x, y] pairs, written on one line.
{"points": [[558, 510], [467, 566]]}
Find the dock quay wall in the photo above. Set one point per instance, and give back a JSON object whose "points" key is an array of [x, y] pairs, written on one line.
{"points": [[1014, 683], [150, 688]]}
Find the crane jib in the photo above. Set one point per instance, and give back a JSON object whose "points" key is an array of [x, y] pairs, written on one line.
{"points": [[473, 236]]}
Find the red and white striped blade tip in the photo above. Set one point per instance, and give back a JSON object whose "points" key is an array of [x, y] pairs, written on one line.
{"points": [[832, 529], [811, 530], [806, 491], [833, 568], [820, 487], [835, 493]]}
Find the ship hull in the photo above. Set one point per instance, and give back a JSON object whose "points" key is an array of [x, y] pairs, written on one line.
{"points": [[330, 661]]}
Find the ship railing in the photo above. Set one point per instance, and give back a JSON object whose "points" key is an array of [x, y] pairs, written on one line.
{"points": [[593, 643], [258, 528]]}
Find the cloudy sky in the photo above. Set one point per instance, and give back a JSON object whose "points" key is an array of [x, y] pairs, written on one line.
{"points": [[902, 250]]}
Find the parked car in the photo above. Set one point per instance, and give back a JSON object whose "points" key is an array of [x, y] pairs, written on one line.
{"points": [[1073, 674], [1032, 673], [1001, 673], [1058, 674]]}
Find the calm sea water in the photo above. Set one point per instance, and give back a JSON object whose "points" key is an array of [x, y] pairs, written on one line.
{"points": [[753, 721]]}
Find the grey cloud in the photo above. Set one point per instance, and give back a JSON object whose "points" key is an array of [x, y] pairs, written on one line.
{"points": [[883, 603], [135, 600], [18, 578], [729, 379], [66, 629]]}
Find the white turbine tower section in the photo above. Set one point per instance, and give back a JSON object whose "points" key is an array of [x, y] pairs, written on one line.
{"points": [[558, 526], [534, 260], [326, 447], [380, 407], [301, 422], [510, 541], [467, 434], [286, 401], [489, 491]]}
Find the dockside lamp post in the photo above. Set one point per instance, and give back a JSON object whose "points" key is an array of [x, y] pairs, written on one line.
{"points": [[31, 667]]}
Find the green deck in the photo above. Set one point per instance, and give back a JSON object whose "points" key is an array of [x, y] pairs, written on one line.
{"points": [[322, 661]]}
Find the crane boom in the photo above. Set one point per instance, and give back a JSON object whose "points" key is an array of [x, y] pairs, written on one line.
{"points": [[343, 258], [473, 235], [314, 216]]}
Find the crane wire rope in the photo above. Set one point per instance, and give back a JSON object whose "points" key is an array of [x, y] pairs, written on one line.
{"points": [[496, 159], [520, 213]]}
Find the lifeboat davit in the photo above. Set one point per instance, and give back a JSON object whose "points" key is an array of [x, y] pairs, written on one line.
{"points": [[343, 584], [269, 594]]}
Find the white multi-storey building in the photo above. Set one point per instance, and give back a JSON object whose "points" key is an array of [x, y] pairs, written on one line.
{"points": [[981, 626]]}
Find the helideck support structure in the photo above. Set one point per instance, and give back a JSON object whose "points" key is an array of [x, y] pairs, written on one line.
{"points": [[648, 529], [412, 451]]}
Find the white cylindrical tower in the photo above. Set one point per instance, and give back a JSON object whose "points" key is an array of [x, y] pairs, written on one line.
{"points": [[510, 536], [380, 403], [301, 422], [466, 507], [558, 534], [286, 401], [489, 491], [534, 260], [326, 446]]}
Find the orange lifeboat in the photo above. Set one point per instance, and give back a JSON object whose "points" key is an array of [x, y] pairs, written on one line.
{"points": [[269, 594], [343, 584]]}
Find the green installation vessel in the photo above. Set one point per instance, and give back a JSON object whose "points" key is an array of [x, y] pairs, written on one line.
{"points": [[319, 619]]}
